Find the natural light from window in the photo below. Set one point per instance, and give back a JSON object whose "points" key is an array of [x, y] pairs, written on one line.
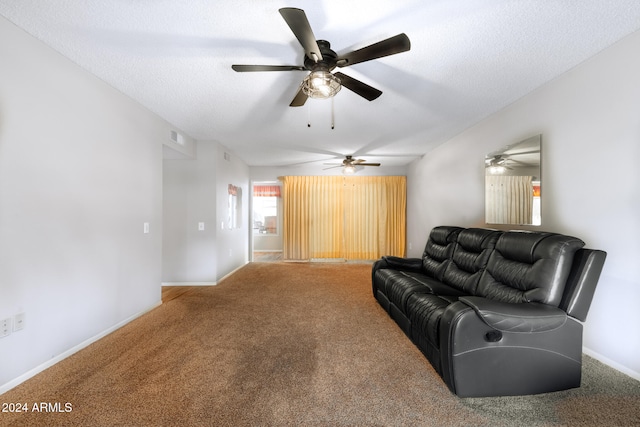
{"points": [[265, 215]]}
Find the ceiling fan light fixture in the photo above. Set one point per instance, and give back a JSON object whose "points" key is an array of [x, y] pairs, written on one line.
{"points": [[349, 170], [321, 84]]}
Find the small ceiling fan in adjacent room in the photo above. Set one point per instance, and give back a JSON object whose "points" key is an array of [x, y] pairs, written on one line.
{"points": [[320, 61], [351, 165]]}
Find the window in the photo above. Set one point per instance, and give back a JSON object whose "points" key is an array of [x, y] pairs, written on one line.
{"points": [[265, 209]]}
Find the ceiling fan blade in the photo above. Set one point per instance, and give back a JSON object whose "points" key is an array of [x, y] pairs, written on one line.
{"points": [[332, 167], [299, 99], [522, 153], [249, 68], [368, 164], [362, 89], [299, 24], [390, 46]]}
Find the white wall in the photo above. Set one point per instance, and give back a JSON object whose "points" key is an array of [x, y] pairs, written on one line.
{"points": [[196, 190], [233, 244], [189, 197], [590, 124], [80, 172]]}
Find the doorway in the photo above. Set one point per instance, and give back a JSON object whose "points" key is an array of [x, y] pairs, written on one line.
{"points": [[266, 220]]}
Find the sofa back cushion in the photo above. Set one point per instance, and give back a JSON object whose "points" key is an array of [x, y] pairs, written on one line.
{"points": [[528, 266], [469, 259], [438, 250]]}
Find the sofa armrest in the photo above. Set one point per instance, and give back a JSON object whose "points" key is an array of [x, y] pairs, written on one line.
{"points": [[514, 317], [397, 263]]}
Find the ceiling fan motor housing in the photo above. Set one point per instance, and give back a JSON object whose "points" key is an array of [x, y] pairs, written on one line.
{"points": [[329, 58]]}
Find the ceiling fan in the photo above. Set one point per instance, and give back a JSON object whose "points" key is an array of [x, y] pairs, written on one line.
{"points": [[497, 160], [351, 165], [320, 60], [497, 164], [500, 163]]}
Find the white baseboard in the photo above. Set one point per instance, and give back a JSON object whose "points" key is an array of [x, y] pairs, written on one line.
{"points": [[203, 283], [615, 365], [49, 363], [232, 271], [189, 283]]}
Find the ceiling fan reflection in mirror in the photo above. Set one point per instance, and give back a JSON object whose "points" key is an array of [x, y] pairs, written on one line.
{"points": [[500, 163], [320, 61], [496, 165], [351, 165]]}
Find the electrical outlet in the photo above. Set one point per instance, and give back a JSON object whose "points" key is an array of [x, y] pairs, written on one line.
{"points": [[18, 322], [5, 327], [145, 228], [201, 226]]}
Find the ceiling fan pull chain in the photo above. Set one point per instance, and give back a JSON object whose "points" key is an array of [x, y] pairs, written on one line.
{"points": [[333, 119], [309, 115]]}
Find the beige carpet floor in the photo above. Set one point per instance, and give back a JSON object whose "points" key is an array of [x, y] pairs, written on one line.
{"points": [[288, 344]]}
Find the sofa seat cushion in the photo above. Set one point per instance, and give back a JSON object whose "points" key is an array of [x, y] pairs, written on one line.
{"points": [[401, 288], [433, 286], [425, 311], [398, 286], [383, 277], [388, 278]]}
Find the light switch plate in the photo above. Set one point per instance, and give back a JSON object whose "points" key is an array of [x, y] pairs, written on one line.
{"points": [[5, 327], [18, 322]]}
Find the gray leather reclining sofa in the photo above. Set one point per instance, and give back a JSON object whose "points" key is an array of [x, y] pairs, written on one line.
{"points": [[496, 313]]}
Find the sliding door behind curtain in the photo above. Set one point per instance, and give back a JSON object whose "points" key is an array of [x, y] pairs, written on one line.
{"points": [[312, 217], [360, 218], [375, 212]]}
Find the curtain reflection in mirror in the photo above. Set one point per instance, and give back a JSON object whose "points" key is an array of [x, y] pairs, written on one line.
{"points": [[509, 199]]}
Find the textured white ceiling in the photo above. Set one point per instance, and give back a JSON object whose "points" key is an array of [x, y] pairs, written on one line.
{"points": [[468, 59]]}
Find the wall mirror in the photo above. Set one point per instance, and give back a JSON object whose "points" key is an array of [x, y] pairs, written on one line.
{"points": [[512, 184]]}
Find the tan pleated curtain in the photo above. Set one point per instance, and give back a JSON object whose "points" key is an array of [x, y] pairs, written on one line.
{"points": [[353, 218], [509, 199]]}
